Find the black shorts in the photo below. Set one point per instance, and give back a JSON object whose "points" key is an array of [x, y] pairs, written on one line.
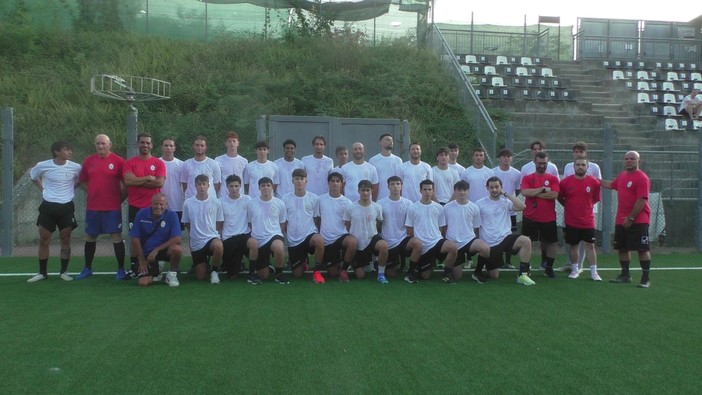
{"points": [[365, 256], [203, 254], [426, 262], [300, 254], [153, 268], [496, 259], [398, 253], [574, 236], [633, 239], [131, 214], [235, 249], [265, 253], [333, 251], [56, 215], [463, 252], [180, 219], [546, 232]]}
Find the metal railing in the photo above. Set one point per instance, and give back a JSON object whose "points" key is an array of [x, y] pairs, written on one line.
{"points": [[495, 42], [635, 48]]}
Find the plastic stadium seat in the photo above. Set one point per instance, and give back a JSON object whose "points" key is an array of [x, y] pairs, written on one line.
{"points": [[669, 98], [542, 95], [547, 72], [508, 70], [494, 93], [506, 93], [683, 76], [471, 59], [607, 64], [485, 80], [544, 83], [501, 60], [671, 124], [670, 111], [518, 82], [617, 75], [642, 75], [554, 95], [481, 92], [695, 77], [668, 87], [477, 69], [558, 83], [679, 66], [642, 86], [691, 67], [490, 70], [497, 81], [525, 93], [540, 61], [465, 69], [522, 72], [671, 76], [641, 65], [526, 61], [483, 59], [655, 110], [568, 95], [643, 97], [697, 85]]}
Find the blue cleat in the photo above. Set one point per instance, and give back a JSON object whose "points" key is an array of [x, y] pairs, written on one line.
{"points": [[85, 273]]}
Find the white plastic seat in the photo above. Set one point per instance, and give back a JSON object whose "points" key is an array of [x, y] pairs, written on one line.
{"points": [[617, 75], [643, 97], [522, 72], [695, 77], [526, 61], [668, 87], [642, 86], [672, 76], [490, 70], [465, 69], [501, 60], [671, 124], [547, 72], [670, 111], [642, 75], [471, 59], [669, 98], [498, 81]]}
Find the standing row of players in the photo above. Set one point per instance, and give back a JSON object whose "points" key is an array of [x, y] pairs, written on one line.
{"points": [[145, 175]]}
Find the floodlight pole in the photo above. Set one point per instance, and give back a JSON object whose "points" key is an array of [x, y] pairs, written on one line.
{"points": [[132, 120], [8, 142]]}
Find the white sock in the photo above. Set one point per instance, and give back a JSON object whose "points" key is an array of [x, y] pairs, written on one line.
{"points": [[381, 270], [593, 269]]}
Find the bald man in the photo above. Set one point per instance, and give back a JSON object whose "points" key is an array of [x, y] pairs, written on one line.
{"points": [[101, 177], [356, 171]]}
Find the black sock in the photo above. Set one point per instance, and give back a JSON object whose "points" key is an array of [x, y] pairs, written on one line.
{"points": [[119, 253], [625, 267], [543, 256], [345, 265], [214, 268], [645, 268], [89, 253], [508, 258], [64, 265], [253, 264], [43, 264], [549, 263], [523, 267], [412, 267], [480, 265], [278, 270], [448, 270]]}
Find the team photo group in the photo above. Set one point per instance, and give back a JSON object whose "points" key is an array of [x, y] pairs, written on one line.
{"points": [[379, 217]]}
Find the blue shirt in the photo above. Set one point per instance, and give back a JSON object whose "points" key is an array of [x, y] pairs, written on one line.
{"points": [[154, 231]]}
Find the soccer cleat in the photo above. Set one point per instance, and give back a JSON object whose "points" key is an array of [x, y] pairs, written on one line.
{"points": [[644, 284], [595, 277], [65, 277], [317, 277], [478, 278], [382, 279], [214, 278], [508, 266], [621, 279], [574, 274], [121, 275], [172, 279], [38, 277], [344, 276], [158, 278], [448, 279], [411, 278], [525, 280], [86, 272], [544, 265], [549, 273], [254, 279], [369, 268], [281, 279]]}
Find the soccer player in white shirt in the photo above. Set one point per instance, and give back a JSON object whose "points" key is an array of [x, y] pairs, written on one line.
{"points": [[203, 217], [445, 177], [302, 228], [356, 170], [231, 162], [258, 169], [236, 233], [332, 207], [363, 219], [462, 218], [200, 163], [495, 231], [424, 221], [318, 166], [342, 157], [286, 165], [454, 151], [413, 172], [393, 230], [511, 182], [386, 163], [476, 175], [57, 179], [267, 217], [172, 187], [530, 167]]}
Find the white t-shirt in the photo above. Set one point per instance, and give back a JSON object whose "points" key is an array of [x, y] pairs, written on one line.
{"points": [[235, 210], [172, 187], [530, 168], [202, 215], [394, 216], [255, 170], [426, 219], [286, 169], [265, 218], [477, 179], [192, 168], [461, 221], [317, 172], [364, 223], [301, 211], [230, 165], [444, 180], [511, 179], [689, 100], [411, 176], [495, 222], [353, 174], [387, 166], [331, 212], [593, 169], [458, 167], [58, 181]]}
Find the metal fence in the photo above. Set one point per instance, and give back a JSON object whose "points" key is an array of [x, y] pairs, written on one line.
{"points": [[493, 42]]}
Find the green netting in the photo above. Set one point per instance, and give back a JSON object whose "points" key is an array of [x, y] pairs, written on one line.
{"points": [[356, 10]]}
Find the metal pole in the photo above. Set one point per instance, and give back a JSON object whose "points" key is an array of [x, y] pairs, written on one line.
{"points": [[608, 156], [132, 120], [147, 17], [509, 136], [699, 191], [205, 21], [8, 142]]}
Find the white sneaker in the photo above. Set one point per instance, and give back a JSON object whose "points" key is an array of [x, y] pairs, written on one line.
{"points": [[214, 278], [574, 274], [596, 277], [172, 279], [38, 277], [65, 277], [158, 278]]}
